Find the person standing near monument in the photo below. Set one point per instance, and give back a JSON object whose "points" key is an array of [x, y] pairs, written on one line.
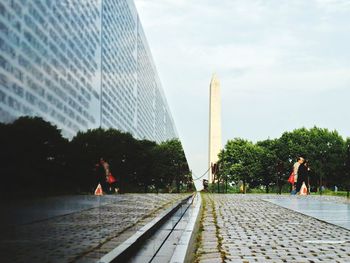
{"points": [[294, 175], [301, 174]]}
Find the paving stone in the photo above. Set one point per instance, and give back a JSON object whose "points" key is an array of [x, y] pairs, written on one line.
{"points": [[211, 260], [248, 229], [90, 232]]}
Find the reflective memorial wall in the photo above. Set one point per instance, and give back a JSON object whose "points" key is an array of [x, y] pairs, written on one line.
{"points": [[80, 64]]}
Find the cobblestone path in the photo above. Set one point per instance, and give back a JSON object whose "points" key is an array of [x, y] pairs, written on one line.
{"points": [[75, 236], [244, 228]]}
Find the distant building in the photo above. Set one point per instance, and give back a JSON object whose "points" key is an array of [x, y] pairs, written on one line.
{"points": [[215, 142], [80, 64]]}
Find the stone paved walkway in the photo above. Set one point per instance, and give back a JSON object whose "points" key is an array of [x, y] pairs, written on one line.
{"points": [[244, 228], [79, 236]]}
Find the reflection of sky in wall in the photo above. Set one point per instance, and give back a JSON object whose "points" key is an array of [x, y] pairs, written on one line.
{"points": [[51, 70], [52, 54], [282, 65]]}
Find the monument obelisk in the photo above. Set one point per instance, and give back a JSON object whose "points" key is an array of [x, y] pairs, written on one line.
{"points": [[215, 143]]}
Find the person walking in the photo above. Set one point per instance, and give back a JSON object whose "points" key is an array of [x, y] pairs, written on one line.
{"points": [[308, 183], [101, 174], [296, 165], [110, 181], [294, 175], [104, 176], [302, 176]]}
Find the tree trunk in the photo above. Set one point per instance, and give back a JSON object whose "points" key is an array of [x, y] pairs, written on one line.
{"points": [[244, 187], [267, 188]]}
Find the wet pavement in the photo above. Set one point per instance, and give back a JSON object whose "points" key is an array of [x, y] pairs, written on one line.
{"points": [[28, 211], [246, 228], [325, 210], [70, 229]]}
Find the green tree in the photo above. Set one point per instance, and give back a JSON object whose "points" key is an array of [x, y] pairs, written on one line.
{"points": [[346, 173], [323, 148], [241, 160], [268, 160]]}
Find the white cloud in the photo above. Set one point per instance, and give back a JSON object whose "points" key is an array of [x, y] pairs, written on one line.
{"points": [[334, 5]]}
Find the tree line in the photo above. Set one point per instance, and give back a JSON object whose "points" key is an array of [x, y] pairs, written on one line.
{"points": [[35, 159], [268, 163]]}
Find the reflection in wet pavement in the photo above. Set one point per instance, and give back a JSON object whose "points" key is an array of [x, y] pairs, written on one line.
{"points": [[334, 213]]}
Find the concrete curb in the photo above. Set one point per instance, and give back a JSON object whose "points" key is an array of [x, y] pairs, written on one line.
{"points": [[184, 251], [124, 250]]}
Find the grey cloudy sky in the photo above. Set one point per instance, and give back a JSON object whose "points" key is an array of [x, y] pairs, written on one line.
{"points": [[283, 64]]}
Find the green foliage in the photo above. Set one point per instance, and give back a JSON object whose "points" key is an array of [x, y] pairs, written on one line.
{"points": [[323, 149], [268, 163], [240, 160], [332, 193], [346, 171]]}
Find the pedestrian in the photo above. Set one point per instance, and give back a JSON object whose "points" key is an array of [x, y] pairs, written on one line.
{"points": [[296, 166], [205, 185], [293, 192], [101, 174], [110, 181], [303, 172], [294, 175], [291, 180], [308, 176]]}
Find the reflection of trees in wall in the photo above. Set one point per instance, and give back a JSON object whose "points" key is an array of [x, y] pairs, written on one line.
{"points": [[32, 156], [36, 159]]}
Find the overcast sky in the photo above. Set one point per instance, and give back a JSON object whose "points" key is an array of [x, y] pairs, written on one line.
{"points": [[283, 64]]}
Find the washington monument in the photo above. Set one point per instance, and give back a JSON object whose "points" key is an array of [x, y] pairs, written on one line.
{"points": [[215, 143]]}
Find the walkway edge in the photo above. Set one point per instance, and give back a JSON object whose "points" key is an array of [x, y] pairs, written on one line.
{"points": [[184, 251], [124, 250]]}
